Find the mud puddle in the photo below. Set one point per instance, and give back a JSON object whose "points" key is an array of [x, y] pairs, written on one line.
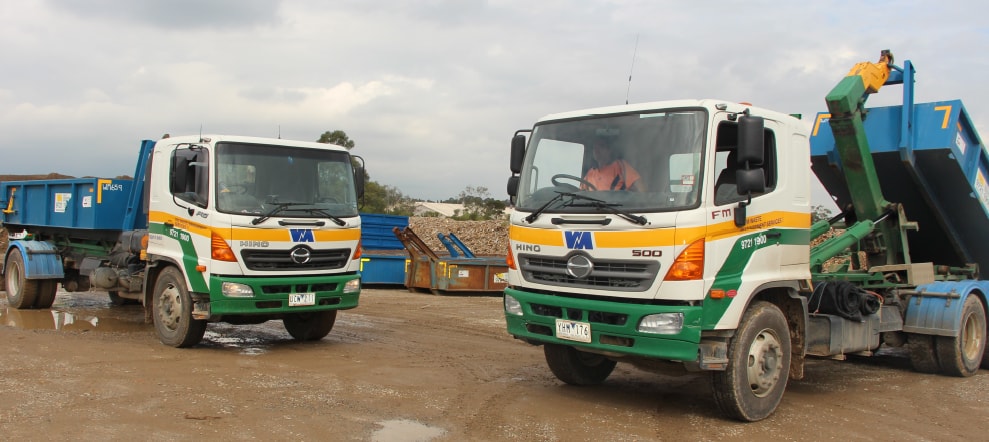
{"points": [[93, 312], [404, 430], [56, 319]]}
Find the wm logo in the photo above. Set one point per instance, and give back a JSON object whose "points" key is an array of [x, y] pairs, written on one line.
{"points": [[302, 235], [579, 240]]}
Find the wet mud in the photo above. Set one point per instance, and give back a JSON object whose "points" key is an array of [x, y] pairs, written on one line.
{"points": [[413, 366]]}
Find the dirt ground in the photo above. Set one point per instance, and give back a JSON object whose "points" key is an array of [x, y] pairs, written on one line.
{"points": [[414, 366]]}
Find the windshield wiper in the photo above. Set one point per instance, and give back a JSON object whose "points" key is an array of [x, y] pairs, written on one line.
{"points": [[275, 210], [535, 214], [284, 206], [624, 214], [322, 212]]}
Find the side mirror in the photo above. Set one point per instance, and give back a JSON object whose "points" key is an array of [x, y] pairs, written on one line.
{"points": [[750, 140], [359, 182], [518, 153], [751, 180], [359, 175], [513, 186], [750, 177]]}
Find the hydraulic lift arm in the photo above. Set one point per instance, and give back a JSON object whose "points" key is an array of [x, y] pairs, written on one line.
{"points": [[846, 102], [884, 242]]}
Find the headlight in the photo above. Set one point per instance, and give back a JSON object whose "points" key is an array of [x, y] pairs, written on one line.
{"points": [[352, 286], [235, 290], [662, 323], [512, 306]]}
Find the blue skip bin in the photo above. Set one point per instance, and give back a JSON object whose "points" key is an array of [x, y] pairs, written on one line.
{"points": [[78, 203]]}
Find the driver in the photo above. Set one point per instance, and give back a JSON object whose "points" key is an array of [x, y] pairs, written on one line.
{"points": [[610, 173]]}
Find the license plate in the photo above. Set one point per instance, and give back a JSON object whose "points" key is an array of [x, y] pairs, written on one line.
{"points": [[299, 299], [573, 330]]}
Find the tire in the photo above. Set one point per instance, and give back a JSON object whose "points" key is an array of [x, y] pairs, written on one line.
{"points": [[21, 292], [577, 367], [923, 356], [46, 294], [172, 311], [752, 385], [985, 358], [310, 326], [961, 355]]}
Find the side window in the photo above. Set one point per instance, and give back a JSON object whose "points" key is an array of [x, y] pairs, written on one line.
{"points": [[558, 158], [334, 183], [683, 176], [189, 176], [725, 164]]}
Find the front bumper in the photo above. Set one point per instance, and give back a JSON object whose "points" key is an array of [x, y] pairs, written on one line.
{"points": [[271, 294], [613, 325]]}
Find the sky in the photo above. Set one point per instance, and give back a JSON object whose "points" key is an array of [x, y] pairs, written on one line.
{"points": [[431, 91]]}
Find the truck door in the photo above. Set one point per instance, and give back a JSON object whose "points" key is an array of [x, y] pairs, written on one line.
{"points": [[179, 219], [743, 249]]}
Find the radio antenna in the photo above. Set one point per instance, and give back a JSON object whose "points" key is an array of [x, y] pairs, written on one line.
{"points": [[636, 49]]}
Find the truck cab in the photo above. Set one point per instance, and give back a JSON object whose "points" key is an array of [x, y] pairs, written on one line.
{"points": [[673, 239]]}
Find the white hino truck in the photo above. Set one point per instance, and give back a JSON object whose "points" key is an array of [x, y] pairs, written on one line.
{"points": [[213, 228], [697, 250]]}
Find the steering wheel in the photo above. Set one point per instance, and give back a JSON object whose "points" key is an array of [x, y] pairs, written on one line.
{"points": [[237, 188], [561, 176]]}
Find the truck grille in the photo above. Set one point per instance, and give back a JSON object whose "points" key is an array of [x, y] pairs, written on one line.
{"points": [[628, 276], [273, 260]]}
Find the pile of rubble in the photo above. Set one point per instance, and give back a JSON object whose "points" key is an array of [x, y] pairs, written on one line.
{"points": [[484, 238]]}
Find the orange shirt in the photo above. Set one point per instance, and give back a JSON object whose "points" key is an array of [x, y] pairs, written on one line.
{"points": [[618, 175]]}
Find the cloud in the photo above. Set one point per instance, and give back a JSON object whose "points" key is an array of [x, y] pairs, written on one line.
{"points": [[432, 90], [176, 14]]}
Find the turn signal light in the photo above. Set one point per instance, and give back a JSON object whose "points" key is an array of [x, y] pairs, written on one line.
{"points": [[358, 251], [689, 265], [220, 250], [510, 258]]}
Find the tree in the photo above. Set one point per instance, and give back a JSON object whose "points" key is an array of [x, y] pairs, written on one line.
{"points": [[388, 200], [378, 198], [818, 213], [337, 137], [478, 205]]}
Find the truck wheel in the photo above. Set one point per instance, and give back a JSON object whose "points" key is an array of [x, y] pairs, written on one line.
{"points": [[985, 357], [173, 311], [752, 386], [923, 358], [21, 292], [577, 367], [311, 326], [961, 355], [46, 294]]}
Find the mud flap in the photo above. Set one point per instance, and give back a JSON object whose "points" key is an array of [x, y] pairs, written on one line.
{"points": [[711, 355], [41, 259], [936, 308]]}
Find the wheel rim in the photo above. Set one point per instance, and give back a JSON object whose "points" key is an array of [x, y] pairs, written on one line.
{"points": [[170, 307], [765, 362], [971, 335]]}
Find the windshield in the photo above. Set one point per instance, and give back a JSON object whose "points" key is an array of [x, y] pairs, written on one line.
{"points": [[649, 161], [254, 179]]}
